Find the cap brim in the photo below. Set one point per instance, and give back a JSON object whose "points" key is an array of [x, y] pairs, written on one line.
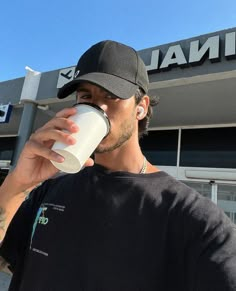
{"points": [[117, 86]]}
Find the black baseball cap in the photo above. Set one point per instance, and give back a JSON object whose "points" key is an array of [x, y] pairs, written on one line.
{"points": [[111, 65]]}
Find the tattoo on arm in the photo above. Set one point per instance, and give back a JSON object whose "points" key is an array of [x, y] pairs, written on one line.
{"points": [[2, 219], [4, 265], [26, 192]]}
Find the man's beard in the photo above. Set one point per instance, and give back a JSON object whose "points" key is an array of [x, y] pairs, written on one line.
{"points": [[126, 129]]}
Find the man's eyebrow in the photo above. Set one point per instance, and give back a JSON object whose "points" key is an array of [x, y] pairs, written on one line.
{"points": [[82, 89]]}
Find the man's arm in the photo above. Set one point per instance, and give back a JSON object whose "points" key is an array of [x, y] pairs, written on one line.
{"points": [[34, 165], [11, 197], [10, 202]]}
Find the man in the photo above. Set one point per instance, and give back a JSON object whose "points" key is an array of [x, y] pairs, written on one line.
{"points": [[120, 224]]}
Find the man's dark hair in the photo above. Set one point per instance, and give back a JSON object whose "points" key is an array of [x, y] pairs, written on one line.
{"points": [[144, 123]]}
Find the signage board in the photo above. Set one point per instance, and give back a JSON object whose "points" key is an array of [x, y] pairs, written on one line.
{"points": [[65, 76], [5, 113]]}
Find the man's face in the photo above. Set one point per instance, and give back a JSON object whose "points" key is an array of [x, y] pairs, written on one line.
{"points": [[121, 113]]}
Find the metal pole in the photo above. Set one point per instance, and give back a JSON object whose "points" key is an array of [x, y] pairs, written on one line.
{"points": [[28, 98], [25, 129]]}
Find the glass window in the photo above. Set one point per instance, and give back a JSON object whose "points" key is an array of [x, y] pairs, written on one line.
{"points": [[160, 147], [7, 146], [3, 174], [202, 188], [210, 147], [226, 199]]}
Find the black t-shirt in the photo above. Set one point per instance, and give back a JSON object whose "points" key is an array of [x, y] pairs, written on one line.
{"points": [[116, 231]]}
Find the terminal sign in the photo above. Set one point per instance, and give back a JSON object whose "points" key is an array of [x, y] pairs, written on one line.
{"points": [[65, 76], [175, 55], [5, 113]]}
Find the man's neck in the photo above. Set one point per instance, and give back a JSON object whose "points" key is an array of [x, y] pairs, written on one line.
{"points": [[124, 158]]}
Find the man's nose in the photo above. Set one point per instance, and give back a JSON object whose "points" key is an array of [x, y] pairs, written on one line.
{"points": [[100, 103], [104, 107]]}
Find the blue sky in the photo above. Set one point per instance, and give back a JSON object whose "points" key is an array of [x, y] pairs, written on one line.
{"points": [[51, 34]]}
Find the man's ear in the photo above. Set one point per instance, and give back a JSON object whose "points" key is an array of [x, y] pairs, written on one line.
{"points": [[142, 107], [141, 112]]}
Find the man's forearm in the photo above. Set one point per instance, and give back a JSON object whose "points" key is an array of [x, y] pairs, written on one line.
{"points": [[11, 197], [2, 222]]}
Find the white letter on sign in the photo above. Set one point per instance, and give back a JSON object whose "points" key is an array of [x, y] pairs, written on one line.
{"points": [[174, 55], [230, 40], [211, 45]]}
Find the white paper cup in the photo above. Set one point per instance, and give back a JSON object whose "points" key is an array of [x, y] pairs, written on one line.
{"points": [[94, 125]]}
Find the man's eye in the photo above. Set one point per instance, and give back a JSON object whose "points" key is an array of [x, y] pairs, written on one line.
{"points": [[84, 96], [111, 96]]}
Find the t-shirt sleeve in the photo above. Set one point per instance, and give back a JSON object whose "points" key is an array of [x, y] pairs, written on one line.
{"points": [[217, 263], [211, 249], [19, 231]]}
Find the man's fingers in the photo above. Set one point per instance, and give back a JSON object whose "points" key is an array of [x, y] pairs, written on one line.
{"points": [[66, 112], [38, 150], [89, 163], [54, 135], [60, 123]]}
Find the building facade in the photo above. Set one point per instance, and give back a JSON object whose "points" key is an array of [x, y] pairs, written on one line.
{"points": [[192, 133]]}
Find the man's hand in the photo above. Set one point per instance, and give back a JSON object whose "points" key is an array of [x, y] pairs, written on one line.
{"points": [[34, 165]]}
